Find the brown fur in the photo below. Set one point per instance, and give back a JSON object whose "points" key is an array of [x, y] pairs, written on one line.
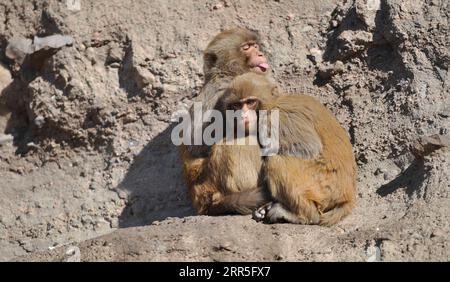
{"points": [[229, 181], [313, 177], [215, 177]]}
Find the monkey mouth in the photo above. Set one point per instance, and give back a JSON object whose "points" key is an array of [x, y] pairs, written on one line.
{"points": [[261, 67]]}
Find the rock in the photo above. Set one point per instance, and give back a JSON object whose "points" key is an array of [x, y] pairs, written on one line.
{"points": [[445, 112], [5, 77], [327, 71], [55, 41], [316, 55], [390, 174], [428, 144], [373, 254], [5, 139], [27, 245], [18, 48], [334, 23], [218, 6], [384, 83], [367, 11], [115, 65], [72, 254], [115, 53], [355, 41], [39, 121], [144, 77]]}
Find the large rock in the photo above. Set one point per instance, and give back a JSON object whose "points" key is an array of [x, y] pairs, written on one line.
{"points": [[90, 122]]}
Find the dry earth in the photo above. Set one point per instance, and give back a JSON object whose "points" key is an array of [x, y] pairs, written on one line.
{"points": [[85, 146]]}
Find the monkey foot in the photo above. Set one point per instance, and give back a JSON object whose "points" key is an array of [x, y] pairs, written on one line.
{"points": [[260, 213], [275, 213]]}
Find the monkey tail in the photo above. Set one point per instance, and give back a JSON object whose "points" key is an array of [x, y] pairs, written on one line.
{"points": [[336, 214], [240, 202]]}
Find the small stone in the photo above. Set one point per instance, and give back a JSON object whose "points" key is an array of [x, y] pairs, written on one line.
{"points": [[327, 71], [115, 65], [218, 6], [144, 77], [316, 55], [114, 223], [18, 48], [26, 245], [5, 77], [428, 144], [390, 174], [39, 121], [73, 254], [334, 23], [279, 257], [373, 254], [54, 41], [122, 195], [90, 54], [6, 138], [445, 113]]}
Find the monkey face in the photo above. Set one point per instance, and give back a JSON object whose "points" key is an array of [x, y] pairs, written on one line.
{"points": [[241, 114], [234, 52], [256, 61], [246, 115]]}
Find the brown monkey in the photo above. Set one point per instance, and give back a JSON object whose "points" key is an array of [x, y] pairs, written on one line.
{"points": [[230, 53], [312, 179]]}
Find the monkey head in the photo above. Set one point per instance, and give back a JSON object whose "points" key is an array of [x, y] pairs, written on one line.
{"points": [[247, 94], [234, 52]]}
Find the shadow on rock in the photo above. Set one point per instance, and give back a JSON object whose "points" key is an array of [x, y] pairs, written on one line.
{"points": [[411, 180], [155, 184]]}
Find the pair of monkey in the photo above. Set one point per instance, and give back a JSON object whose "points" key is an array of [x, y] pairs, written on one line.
{"points": [[312, 179]]}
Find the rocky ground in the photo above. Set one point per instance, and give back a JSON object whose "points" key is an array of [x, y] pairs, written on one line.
{"points": [[88, 171]]}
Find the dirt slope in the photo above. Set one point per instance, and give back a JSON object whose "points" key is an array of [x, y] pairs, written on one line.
{"points": [[85, 130]]}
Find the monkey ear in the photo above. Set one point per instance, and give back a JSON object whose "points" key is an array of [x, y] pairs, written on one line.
{"points": [[298, 137], [209, 60]]}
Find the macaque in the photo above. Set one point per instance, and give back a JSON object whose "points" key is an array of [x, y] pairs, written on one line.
{"points": [[224, 179], [232, 52], [312, 178]]}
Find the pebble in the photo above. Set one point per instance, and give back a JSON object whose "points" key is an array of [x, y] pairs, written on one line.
{"points": [[39, 121], [6, 138]]}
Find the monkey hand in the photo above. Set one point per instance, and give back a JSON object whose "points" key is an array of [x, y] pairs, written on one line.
{"points": [[277, 213], [260, 213]]}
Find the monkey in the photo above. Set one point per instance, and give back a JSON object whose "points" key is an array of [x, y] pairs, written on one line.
{"points": [[312, 178], [232, 173], [230, 53]]}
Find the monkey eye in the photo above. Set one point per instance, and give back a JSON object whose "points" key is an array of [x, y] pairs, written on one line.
{"points": [[236, 106], [246, 47], [256, 46], [251, 102]]}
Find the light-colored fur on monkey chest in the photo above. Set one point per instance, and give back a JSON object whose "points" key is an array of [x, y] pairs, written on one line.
{"points": [[237, 167]]}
